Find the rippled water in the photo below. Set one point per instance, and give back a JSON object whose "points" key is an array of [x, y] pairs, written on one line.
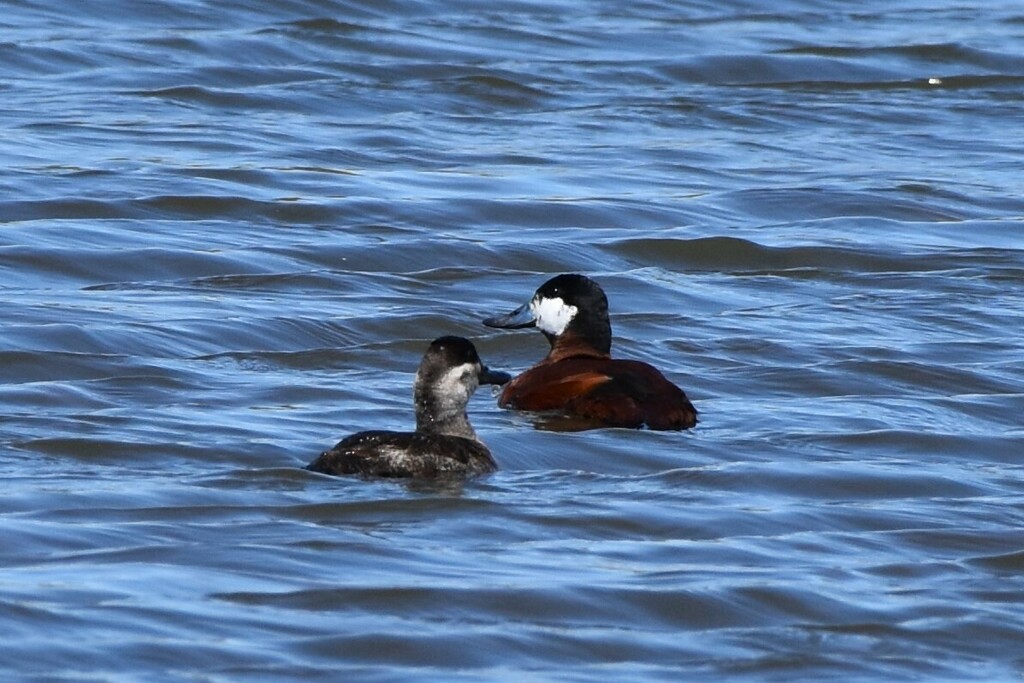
{"points": [[229, 230]]}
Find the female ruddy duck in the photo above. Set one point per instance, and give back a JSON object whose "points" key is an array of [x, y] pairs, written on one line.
{"points": [[444, 443], [579, 377]]}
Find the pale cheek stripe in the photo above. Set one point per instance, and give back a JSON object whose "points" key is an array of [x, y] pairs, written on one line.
{"points": [[454, 377]]}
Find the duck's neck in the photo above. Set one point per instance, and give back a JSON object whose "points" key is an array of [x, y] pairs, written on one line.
{"points": [[438, 416], [571, 345]]}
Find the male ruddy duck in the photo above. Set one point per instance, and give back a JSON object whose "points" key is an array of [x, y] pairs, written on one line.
{"points": [[444, 443], [579, 377]]}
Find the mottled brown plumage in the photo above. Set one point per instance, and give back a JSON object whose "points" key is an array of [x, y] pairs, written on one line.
{"points": [[405, 454], [444, 442]]}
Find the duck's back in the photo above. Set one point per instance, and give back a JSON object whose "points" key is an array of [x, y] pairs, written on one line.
{"points": [[405, 454], [611, 392]]}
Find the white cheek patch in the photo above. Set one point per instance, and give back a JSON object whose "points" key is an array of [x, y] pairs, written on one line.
{"points": [[456, 381], [552, 315]]}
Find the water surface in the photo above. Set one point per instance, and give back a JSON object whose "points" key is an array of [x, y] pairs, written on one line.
{"points": [[228, 231]]}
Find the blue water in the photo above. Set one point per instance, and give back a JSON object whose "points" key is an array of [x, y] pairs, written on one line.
{"points": [[228, 231]]}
